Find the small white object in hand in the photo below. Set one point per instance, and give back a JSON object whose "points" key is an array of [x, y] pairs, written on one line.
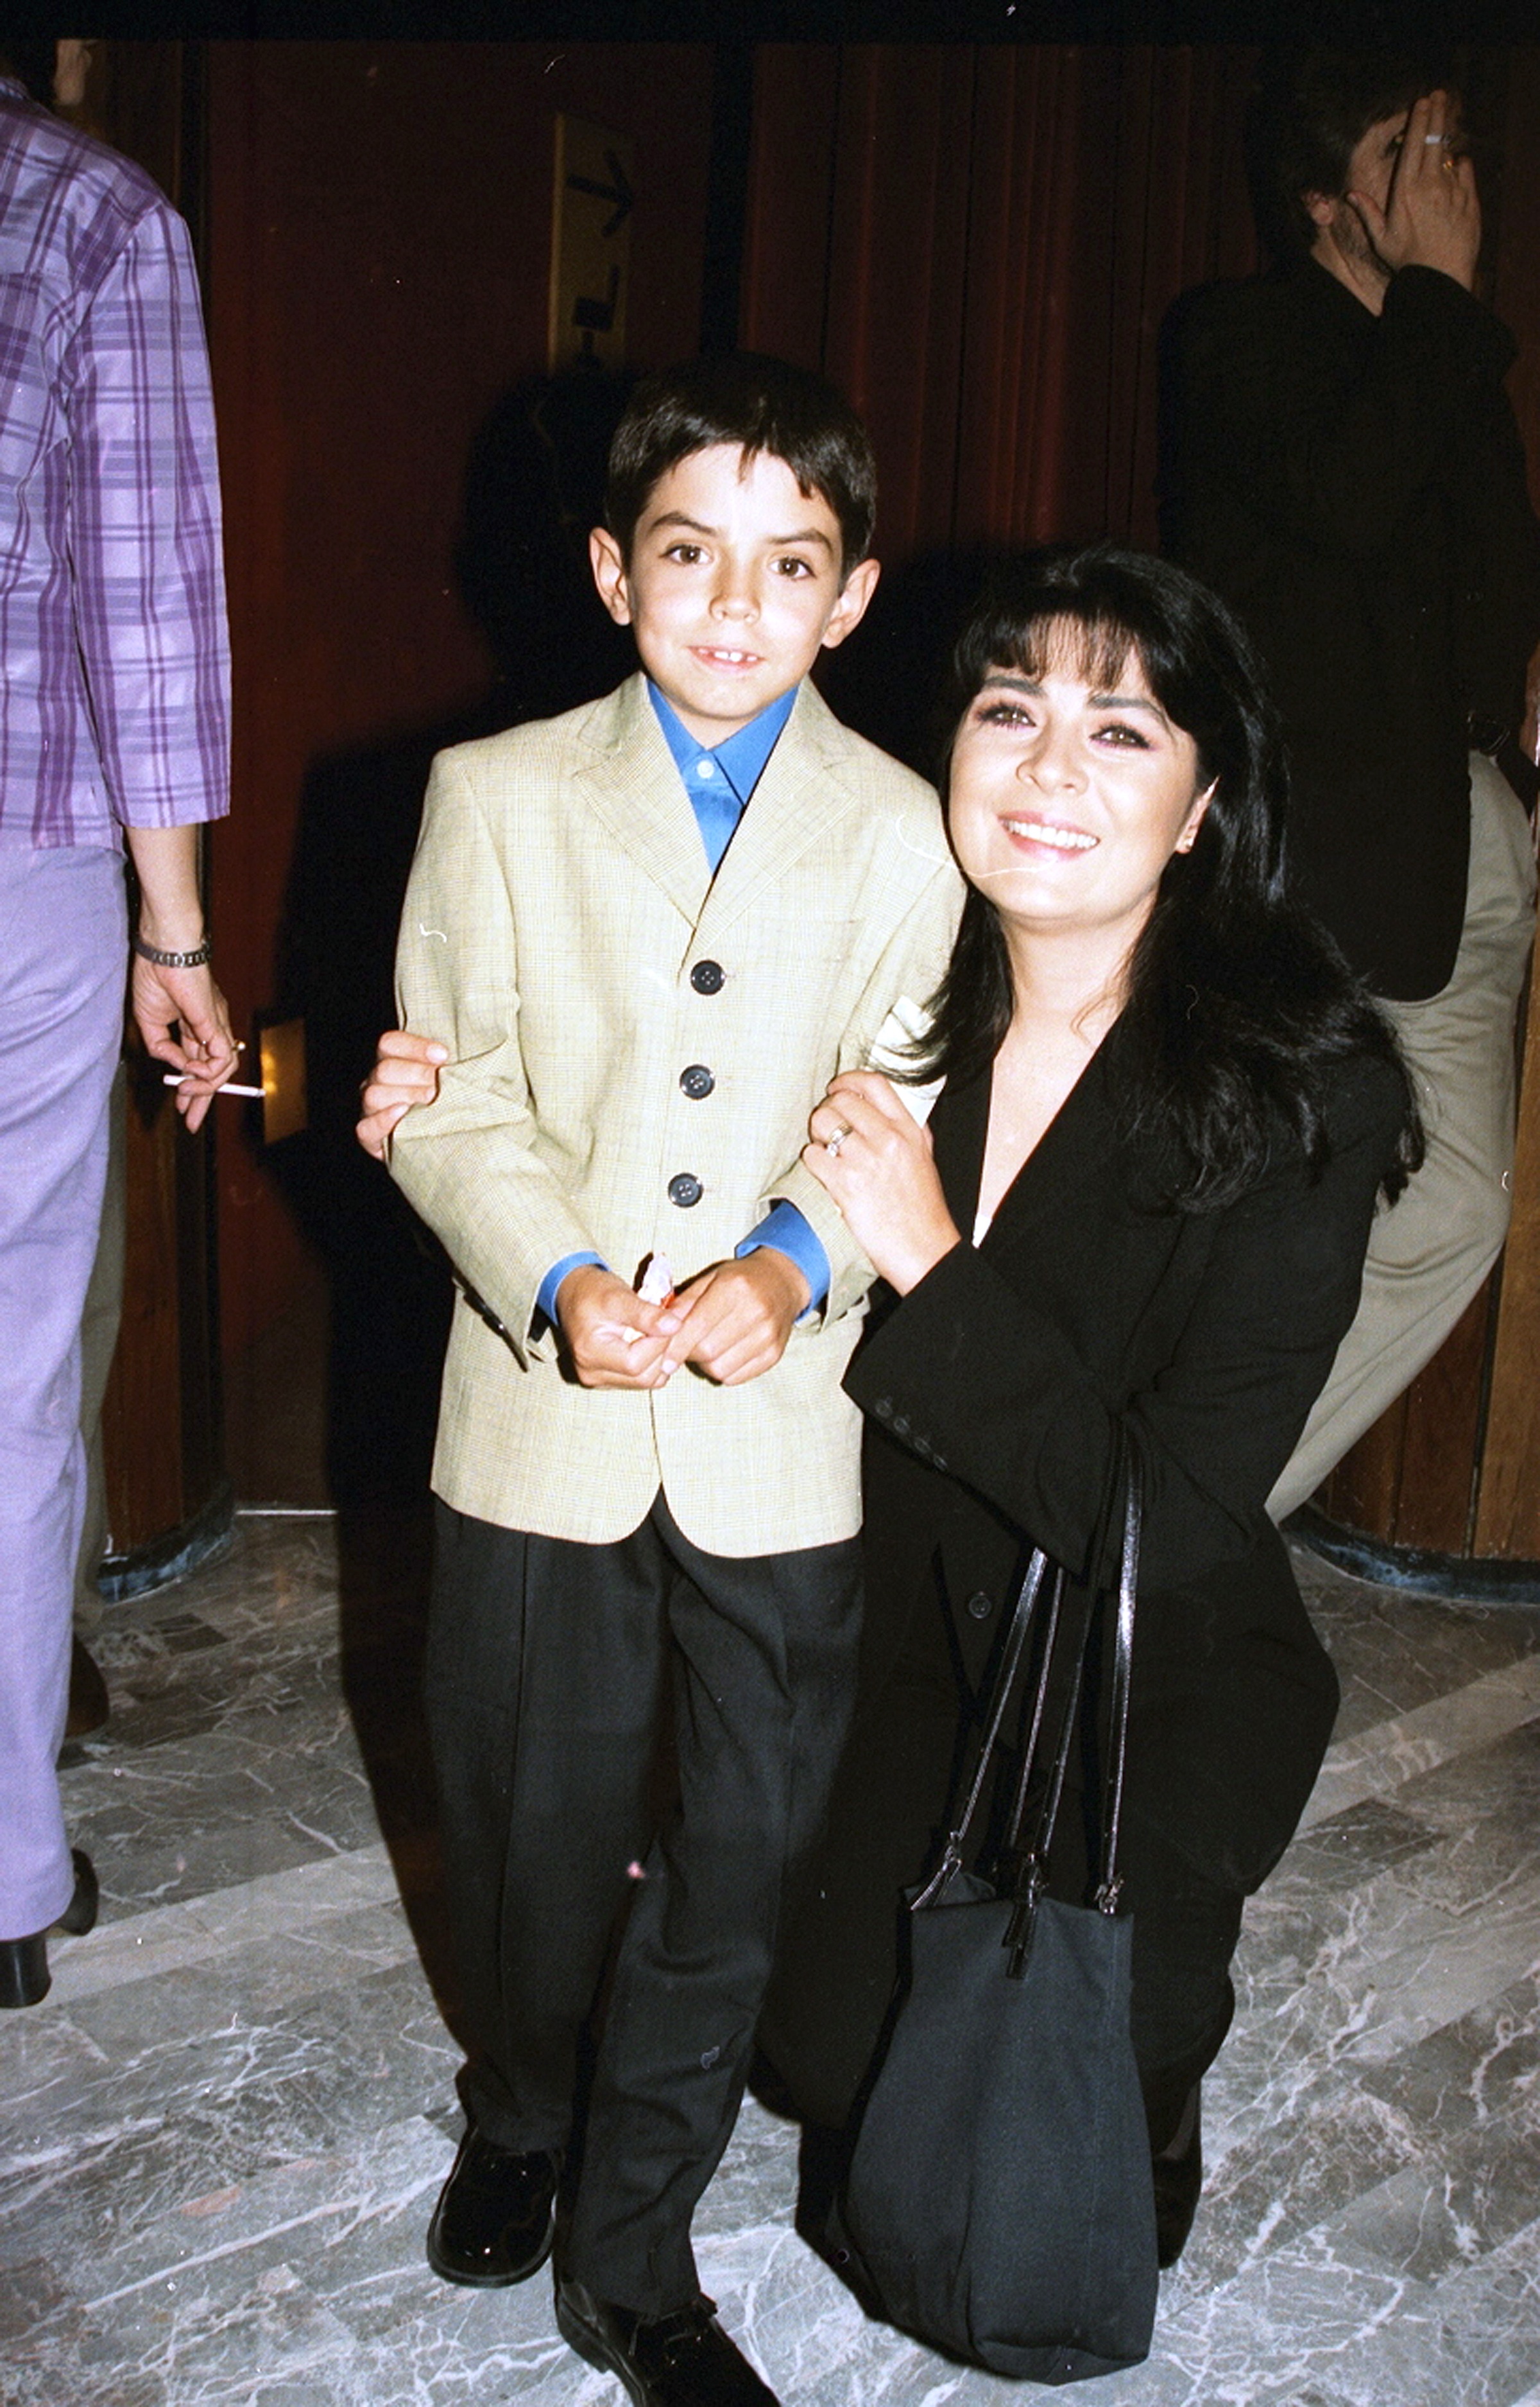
{"points": [[656, 1284], [171, 1079]]}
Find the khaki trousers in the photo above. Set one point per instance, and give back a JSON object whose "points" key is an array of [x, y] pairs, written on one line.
{"points": [[1430, 1252]]}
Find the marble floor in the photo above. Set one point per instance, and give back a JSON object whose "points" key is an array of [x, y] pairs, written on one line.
{"points": [[221, 2134]]}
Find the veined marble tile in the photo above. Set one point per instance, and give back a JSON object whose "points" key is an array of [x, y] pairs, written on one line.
{"points": [[277, 1584], [1291, 2176], [183, 1818], [1491, 2316], [1418, 1946], [253, 1983], [194, 2115], [279, 1568], [1381, 1760], [29, 2294], [278, 2347], [172, 1702], [1394, 1651], [354, 2216], [1489, 1795], [55, 2366], [222, 2135], [1471, 2072], [1344, 1849], [1290, 2330], [1448, 2210], [1471, 2339], [148, 1945]]}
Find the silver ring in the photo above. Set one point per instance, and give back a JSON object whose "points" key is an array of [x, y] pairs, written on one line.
{"points": [[832, 1144], [1433, 141]]}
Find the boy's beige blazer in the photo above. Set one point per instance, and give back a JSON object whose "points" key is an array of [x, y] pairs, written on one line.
{"points": [[558, 905]]}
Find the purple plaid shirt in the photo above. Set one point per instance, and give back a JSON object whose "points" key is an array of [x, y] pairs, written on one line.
{"points": [[114, 658]]}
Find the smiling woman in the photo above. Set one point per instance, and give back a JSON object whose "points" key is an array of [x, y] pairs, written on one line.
{"points": [[1166, 1117], [1070, 799]]}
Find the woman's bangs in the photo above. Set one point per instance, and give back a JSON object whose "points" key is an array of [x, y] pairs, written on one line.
{"points": [[1062, 643]]}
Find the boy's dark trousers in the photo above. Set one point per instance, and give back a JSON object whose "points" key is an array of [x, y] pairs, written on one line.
{"points": [[550, 1667]]}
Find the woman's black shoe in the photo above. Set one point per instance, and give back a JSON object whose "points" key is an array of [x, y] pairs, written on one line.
{"points": [[680, 2361], [496, 2215], [24, 1974], [1179, 2180]]}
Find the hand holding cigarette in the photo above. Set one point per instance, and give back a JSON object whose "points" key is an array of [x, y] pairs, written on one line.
{"points": [[616, 1337]]}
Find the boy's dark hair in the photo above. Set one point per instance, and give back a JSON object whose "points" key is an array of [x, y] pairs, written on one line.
{"points": [[1239, 1003], [759, 405], [1309, 110]]}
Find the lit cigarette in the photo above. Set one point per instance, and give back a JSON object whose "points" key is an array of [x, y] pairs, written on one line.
{"points": [[171, 1079]]}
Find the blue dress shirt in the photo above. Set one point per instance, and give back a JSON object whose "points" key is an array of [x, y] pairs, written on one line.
{"points": [[720, 784]]}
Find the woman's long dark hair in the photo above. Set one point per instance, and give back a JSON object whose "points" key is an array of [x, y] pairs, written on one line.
{"points": [[1239, 1002]]}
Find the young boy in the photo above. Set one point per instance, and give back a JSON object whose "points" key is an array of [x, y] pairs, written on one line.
{"points": [[646, 934]]}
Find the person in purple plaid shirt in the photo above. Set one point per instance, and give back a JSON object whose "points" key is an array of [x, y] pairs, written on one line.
{"points": [[114, 727]]}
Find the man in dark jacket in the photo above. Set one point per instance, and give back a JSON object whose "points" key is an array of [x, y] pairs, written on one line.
{"points": [[1342, 464]]}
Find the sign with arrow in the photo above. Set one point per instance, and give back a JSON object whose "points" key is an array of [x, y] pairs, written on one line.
{"points": [[590, 242]]}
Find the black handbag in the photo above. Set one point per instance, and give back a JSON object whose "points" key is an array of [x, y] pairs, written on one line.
{"points": [[1000, 2201]]}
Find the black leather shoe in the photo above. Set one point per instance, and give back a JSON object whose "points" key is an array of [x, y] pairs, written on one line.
{"points": [[678, 2360], [24, 1974], [496, 2215], [1178, 2182]]}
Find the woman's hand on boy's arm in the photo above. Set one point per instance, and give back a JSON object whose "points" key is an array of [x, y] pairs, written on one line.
{"points": [[874, 1157], [735, 1318], [405, 1072]]}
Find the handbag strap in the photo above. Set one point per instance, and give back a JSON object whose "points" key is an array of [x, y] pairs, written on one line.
{"points": [[1010, 1661], [1111, 1883], [1029, 1865]]}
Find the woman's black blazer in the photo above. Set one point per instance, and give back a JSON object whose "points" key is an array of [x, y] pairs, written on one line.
{"points": [[997, 1391]]}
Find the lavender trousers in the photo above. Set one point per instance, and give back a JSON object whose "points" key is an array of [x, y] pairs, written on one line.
{"points": [[62, 949]]}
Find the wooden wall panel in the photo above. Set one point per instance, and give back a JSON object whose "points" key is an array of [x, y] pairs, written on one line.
{"points": [[789, 214], [380, 219], [162, 1437], [893, 340], [978, 243]]}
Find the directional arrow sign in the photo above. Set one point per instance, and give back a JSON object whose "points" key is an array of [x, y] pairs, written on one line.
{"points": [[590, 242], [618, 190]]}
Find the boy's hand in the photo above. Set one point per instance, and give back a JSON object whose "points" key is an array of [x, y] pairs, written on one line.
{"points": [[615, 1340], [735, 1318], [405, 1072]]}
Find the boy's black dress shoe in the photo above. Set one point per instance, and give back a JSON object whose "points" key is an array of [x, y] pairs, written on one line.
{"points": [[24, 1974], [680, 2361], [496, 2215]]}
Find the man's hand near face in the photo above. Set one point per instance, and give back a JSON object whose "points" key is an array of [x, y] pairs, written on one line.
{"points": [[1432, 212]]}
